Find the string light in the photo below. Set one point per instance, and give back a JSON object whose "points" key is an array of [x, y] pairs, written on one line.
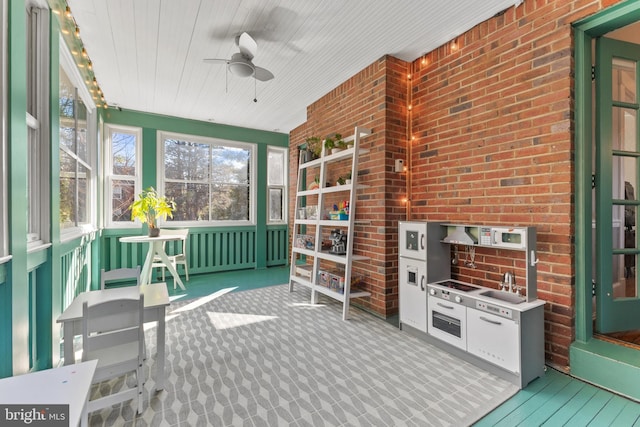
{"points": [[90, 65], [67, 12], [77, 32], [454, 44]]}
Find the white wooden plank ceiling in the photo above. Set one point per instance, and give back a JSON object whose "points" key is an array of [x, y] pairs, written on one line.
{"points": [[148, 54]]}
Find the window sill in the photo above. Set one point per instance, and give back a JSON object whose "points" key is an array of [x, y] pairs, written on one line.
{"points": [[37, 246], [76, 232], [5, 259]]}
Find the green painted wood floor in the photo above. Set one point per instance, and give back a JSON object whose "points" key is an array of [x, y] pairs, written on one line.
{"points": [[558, 399]]}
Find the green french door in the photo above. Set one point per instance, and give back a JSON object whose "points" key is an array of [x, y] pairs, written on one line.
{"points": [[617, 185]]}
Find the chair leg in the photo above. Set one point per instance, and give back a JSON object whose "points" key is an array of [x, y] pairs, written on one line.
{"points": [[186, 271], [163, 274]]}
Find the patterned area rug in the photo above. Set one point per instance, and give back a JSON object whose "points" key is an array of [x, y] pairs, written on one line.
{"points": [[266, 357]]}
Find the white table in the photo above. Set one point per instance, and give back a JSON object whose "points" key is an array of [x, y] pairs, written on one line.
{"points": [[156, 247], [66, 385], [156, 299]]}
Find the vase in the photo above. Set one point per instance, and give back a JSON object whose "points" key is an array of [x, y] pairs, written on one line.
{"points": [[154, 231]]}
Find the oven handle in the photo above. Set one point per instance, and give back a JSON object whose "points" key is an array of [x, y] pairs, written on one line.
{"points": [[422, 240], [448, 307], [422, 283], [494, 322]]}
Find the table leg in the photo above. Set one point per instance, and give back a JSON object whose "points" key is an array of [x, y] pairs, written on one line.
{"points": [[160, 352], [145, 275], [158, 248], [67, 336]]}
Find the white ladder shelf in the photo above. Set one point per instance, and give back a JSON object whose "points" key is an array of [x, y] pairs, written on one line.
{"points": [[308, 258]]}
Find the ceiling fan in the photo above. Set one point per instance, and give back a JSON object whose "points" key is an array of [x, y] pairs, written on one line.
{"points": [[240, 63]]}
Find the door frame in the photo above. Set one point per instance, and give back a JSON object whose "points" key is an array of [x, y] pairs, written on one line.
{"points": [[608, 365]]}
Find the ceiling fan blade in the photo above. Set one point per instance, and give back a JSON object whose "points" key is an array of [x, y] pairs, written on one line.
{"points": [[248, 46], [262, 74], [216, 60]]}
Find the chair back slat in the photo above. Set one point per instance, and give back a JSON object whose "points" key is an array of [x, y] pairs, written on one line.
{"points": [[112, 322], [119, 274]]}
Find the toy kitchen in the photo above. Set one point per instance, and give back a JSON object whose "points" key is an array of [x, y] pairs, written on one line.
{"points": [[498, 329]]}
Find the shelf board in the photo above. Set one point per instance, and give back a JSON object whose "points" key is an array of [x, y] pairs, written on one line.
{"points": [[342, 259], [340, 297], [301, 280], [308, 193], [302, 251], [334, 222]]}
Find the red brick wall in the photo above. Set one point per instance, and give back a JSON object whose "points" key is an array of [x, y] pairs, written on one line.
{"points": [[375, 98], [494, 133], [492, 126]]}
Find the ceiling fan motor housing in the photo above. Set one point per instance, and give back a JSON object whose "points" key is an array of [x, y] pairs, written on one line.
{"points": [[241, 66]]}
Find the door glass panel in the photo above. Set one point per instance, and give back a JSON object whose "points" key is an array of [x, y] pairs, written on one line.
{"points": [[623, 129], [624, 276], [624, 178], [624, 80], [617, 226]]}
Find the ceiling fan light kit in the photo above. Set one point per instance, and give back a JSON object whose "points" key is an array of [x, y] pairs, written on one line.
{"points": [[241, 64]]}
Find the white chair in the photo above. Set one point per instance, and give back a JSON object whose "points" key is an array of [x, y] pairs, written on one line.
{"points": [[180, 258], [130, 274], [113, 333]]}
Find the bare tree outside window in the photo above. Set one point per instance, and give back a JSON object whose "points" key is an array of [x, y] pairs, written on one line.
{"points": [[122, 180], [208, 181]]}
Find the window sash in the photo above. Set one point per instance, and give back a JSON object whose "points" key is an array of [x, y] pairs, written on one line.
{"points": [[77, 143], [277, 178], [229, 197], [117, 211]]}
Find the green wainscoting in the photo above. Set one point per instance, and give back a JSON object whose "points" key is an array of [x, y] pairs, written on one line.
{"points": [[75, 272], [277, 245], [209, 249]]}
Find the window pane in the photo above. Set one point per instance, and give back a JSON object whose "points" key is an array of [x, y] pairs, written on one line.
{"points": [[275, 168], [230, 203], [623, 129], [67, 190], [192, 201], [123, 193], [67, 112], [84, 177], [123, 148], [230, 165], [624, 80], [82, 130], [275, 204], [186, 161]]}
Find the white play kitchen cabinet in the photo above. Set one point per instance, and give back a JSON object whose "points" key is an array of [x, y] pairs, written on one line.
{"points": [[500, 330]]}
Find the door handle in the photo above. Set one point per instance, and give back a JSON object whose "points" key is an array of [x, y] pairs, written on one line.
{"points": [[493, 322], [422, 283], [448, 307]]}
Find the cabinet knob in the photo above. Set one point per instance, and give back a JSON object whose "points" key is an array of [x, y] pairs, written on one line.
{"points": [[458, 299]]}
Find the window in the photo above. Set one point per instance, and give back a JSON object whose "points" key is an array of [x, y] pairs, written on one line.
{"points": [[37, 119], [122, 173], [276, 184], [77, 140], [209, 179]]}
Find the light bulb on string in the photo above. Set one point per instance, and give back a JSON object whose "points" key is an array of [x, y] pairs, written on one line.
{"points": [[67, 12]]}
